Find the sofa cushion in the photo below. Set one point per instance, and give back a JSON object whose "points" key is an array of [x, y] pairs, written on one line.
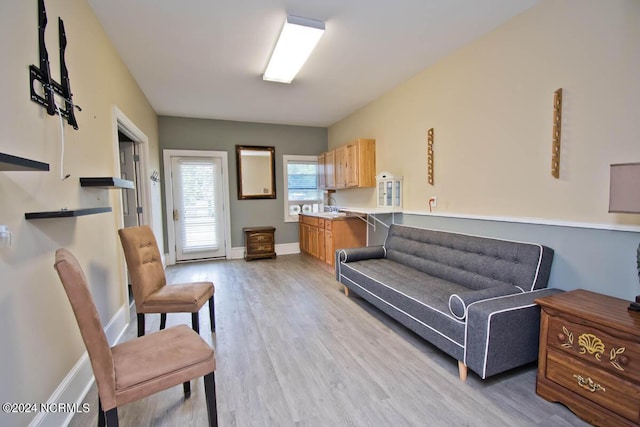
{"points": [[459, 302], [423, 297], [471, 261]]}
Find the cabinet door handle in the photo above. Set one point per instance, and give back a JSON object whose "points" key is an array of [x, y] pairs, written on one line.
{"points": [[588, 384]]}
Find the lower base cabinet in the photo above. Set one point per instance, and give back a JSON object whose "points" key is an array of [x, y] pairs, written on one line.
{"points": [[321, 237]]}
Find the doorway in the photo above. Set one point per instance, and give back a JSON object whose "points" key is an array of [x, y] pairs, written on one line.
{"points": [[197, 196], [132, 207], [130, 170]]}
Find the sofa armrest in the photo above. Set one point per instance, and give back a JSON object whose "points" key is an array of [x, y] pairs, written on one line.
{"points": [[503, 333], [357, 254], [459, 302]]}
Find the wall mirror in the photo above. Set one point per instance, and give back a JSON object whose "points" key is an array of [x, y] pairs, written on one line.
{"points": [[256, 172]]}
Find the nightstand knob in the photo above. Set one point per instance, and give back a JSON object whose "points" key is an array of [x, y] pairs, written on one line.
{"points": [[623, 360], [562, 337]]}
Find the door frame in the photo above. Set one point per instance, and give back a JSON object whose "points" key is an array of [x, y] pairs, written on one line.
{"points": [[167, 154], [120, 122]]}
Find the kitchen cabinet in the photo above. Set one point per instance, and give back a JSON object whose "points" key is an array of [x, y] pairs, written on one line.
{"points": [[350, 166], [322, 234]]}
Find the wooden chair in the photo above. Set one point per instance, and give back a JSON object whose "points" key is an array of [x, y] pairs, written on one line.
{"points": [[138, 368], [149, 283]]}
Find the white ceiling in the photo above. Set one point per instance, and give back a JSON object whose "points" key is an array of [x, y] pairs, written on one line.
{"points": [[205, 58]]}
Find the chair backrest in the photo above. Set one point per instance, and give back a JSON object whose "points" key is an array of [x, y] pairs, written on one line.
{"points": [[75, 285], [146, 271]]}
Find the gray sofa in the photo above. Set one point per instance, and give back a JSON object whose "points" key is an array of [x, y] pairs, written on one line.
{"points": [[470, 296]]}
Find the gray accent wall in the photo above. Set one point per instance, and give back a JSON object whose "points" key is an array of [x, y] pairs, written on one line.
{"points": [[602, 261], [178, 133]]}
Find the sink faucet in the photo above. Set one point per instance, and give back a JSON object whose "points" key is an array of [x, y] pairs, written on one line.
{"points": [[329, 207]]}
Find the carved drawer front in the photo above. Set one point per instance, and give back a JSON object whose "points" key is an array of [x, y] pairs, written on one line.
{"points": [[594, 384], [320, 223], [610, 353], [258, 248], [260, 238], [328, 225]]}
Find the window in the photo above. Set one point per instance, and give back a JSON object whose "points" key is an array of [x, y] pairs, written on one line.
{"points": [[301, 186]]}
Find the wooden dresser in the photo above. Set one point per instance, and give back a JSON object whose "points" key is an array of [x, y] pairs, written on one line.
{"points": [[589, 357], [259, 242]]}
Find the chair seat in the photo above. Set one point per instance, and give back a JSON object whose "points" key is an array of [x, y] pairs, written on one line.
{"points": [[158, 361], [186, 297]]}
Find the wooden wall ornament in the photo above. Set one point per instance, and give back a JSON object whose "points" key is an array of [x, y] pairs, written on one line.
{"points": [[430, 156], [557, 133]]}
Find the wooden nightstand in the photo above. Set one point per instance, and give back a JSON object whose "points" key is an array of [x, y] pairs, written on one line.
{"points": [[259, 242], [589, 357]]}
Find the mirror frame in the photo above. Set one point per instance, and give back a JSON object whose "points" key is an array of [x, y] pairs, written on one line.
{"points": [[272, 156]]}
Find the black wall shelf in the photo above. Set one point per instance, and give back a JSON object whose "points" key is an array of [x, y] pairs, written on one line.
{"points": [[66, 213], [106, 182], [15, 163]]}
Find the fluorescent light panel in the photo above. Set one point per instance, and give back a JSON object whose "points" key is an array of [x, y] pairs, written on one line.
{"points": [[297, 40]]}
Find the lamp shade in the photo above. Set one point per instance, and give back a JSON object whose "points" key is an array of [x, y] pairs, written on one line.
{"points": [[624, 191]]}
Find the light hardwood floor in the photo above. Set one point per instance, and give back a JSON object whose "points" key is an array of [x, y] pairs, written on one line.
{"points": [[292, 350]]}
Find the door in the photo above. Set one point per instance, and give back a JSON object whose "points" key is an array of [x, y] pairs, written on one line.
{"points": [[198, 214], [129, 169]]}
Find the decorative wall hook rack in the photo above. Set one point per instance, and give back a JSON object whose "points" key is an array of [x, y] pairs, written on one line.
{"points": [[50, 87], [557, 133], [430, 162]]}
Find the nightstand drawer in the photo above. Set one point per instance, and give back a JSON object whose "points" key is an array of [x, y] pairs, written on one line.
{"points": [[592, 345], [594, 384], [260, 238], [259, 248]]}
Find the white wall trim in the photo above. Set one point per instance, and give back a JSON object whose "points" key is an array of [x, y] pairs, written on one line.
{"points": [[281, 249], [75, 386], [168, 186], [526, 220]]}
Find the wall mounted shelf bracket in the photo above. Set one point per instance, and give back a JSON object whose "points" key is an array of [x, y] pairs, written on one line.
{"points": [[42, 74]]}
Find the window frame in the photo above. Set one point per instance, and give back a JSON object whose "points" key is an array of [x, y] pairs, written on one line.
{"points": [[285, 172]]}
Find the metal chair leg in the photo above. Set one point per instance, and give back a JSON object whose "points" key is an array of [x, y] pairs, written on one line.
{"points": [[195, 321], [210, 397], [212, 314], [163, 320], [140, 324]]}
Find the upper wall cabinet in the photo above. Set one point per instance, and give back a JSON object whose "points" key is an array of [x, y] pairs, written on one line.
{"points": [[349, 166]]}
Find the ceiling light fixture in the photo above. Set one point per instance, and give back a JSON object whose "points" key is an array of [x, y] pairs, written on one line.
{"points": [[298, 38]]}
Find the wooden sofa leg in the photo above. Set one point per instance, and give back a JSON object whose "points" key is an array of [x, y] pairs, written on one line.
{"points": [[462, 369], [346, 290]]}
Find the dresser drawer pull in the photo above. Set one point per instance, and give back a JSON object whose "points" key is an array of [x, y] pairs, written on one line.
{"points": [[588, 384]]}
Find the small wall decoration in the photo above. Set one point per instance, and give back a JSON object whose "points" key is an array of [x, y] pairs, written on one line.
{"points": [[557, 128], [430, 156]]}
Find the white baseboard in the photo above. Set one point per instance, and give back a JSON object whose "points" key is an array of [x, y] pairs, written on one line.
{"points": [[75, 386], [281, 249]]}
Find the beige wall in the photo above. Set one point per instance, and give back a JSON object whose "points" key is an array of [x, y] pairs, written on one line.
{"points": [[39, 336], [490, 104]]}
